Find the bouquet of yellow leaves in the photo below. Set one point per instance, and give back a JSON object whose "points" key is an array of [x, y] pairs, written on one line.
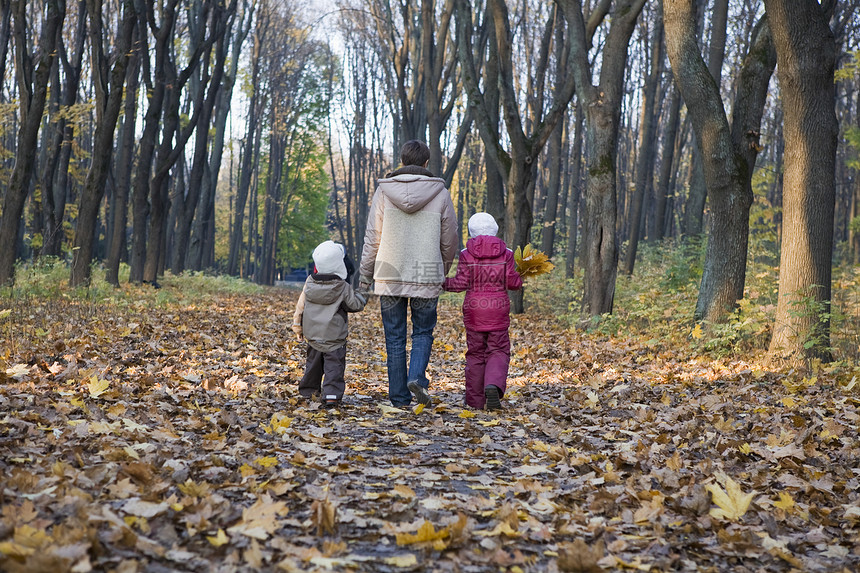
{"points": [[531, 262]]}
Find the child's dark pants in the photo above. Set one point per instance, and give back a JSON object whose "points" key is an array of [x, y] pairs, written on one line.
{"points": [[487, 358], [332, 365]]}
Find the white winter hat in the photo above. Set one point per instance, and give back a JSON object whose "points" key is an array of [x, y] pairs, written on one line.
{"points": [[328, 259], [482, 224]]}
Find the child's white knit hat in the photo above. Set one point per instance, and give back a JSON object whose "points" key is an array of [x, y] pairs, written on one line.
{"points": [[482, 224], [328, 259]]}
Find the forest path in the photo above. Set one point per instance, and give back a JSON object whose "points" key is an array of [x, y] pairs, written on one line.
{"points": [[170, 438]]}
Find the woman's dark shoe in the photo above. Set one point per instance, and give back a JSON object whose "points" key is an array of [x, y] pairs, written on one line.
{"points": [[418, 391]]}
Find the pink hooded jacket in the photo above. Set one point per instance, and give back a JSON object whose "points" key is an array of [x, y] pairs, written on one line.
{"points": [[486, 271]]}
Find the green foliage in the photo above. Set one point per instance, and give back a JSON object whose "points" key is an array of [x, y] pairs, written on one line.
{"points": [[303, 227], [850, 70], [852, 137], [48, 279], [763, 237]]}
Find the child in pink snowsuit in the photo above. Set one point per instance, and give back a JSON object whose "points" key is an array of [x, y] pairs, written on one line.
{"points": [[486, 271]]}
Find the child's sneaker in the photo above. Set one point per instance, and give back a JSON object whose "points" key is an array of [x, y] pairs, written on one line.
{"points": [[421, 395], [331, 401], [491, 393]]}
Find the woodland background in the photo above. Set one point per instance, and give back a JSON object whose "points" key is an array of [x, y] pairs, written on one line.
{"points": [[232, 136], [684, 384]]}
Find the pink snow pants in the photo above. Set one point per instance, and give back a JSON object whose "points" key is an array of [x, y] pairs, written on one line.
{"points": [[487, 357]]}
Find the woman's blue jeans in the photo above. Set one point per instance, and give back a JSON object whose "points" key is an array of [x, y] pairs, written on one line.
{"points": [[394, 323]]}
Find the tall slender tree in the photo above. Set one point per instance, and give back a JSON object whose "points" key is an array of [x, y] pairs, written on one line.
{"points": [[33, 72], [728, 152], [806, 56], [109, 82], [602, 106]]}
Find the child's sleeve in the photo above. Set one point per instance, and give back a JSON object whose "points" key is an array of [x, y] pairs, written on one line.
{"points": [[460, 281], [514, 280], [297, 316], [353, 301]]}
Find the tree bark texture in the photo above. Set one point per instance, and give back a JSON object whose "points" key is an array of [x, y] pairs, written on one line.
{"points": [[109, 99], [575, 194], [806, 56], [33, 78], [695, 206], [53, 191], [602, 104], [647, 144], [726, 166], [125, 154], [670, 135], [154, 74]]}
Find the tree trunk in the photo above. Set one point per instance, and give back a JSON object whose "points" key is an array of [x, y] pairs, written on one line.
{"points": [[602, 104], [156, 88], [806, 55], [727, 166], [555, 153], [495, 193], [117, 239], [32, 95], [201, 245], [553, 189], [272, 209], [55, 177], [5, 35], [249, 148], [200, 46], [188, 204], [695, 206], [670, 136], [647, 143], [576, 192], [108, 104]]}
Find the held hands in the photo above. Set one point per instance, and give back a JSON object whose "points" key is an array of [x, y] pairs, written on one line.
{"points": [[363, 289], [297, 328]]}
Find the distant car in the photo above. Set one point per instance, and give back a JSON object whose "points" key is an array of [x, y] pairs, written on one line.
{"points": [[296, 275]]}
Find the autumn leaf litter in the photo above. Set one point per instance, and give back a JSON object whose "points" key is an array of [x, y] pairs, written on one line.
{"points": [[172, 437]]}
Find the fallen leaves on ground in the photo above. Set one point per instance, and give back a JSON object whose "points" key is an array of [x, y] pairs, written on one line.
{"points": [[138, 437]]}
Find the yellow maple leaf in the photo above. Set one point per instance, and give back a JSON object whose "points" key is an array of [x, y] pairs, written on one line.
{"points": [[405, 560], [15, 550], [786, 502], [266, 462], [218, 540], [193, 489], [745, 448], [732, 503], [467, 414], [279, 424], [425, 534], [531, 262], [418, 408], [97, 387], [697, 332]]}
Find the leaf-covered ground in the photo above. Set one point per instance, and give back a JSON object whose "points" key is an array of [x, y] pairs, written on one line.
{"points": [[142, 437]]}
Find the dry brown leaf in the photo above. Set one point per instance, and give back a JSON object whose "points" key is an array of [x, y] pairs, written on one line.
{"points": [[579, 557]]}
